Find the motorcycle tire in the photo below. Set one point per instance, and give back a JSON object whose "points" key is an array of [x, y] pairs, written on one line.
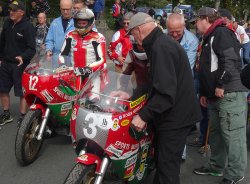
{"points": [[81, 174], [27, 147]]}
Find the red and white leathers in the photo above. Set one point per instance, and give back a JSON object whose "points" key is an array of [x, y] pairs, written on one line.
{"points": [[119, 46], [87, 50], [116, 10]]}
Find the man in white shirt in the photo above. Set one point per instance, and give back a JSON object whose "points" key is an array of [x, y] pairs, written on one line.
{"points": [[245, 42]]}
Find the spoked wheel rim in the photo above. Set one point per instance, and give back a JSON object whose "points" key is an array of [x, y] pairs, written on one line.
{"points": [[32, 145], [89, 178]]}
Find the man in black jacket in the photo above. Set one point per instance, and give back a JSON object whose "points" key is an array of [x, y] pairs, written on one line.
{"points": [[17, 47], [223, 93], [172, 105]]}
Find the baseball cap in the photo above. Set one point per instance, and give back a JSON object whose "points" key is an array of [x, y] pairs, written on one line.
{"points": [[17, 5], [206, 11], [139, 19], [225, 13]]}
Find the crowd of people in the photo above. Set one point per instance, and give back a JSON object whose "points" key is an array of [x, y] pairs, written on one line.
{"points": [[199, 78]]}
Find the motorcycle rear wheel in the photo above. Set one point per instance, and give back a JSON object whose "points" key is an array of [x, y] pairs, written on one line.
{"points": [[81, 174], [27, 146]]}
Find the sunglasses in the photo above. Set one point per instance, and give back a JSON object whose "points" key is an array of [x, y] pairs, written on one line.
{"points": [[125, 23]]}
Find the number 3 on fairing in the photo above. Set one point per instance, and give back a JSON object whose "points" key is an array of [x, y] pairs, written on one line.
{"points": [[90, 131], [32, 83]]}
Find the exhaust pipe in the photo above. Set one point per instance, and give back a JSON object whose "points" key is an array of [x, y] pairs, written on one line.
{"points": [[43, 124]]}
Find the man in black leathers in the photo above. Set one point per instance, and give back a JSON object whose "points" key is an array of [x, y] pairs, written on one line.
{"points": [[172, 106]]}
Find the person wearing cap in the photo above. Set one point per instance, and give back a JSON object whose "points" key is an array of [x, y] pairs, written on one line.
{"points": [[58, 30], [120, 44], [172, 106], [222, 92], [17, 47]]}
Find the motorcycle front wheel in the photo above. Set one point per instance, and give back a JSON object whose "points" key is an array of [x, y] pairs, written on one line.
{"points": [[27, 146], [81, 174]]}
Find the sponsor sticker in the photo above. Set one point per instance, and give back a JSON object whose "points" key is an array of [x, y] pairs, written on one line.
{"points": [[131, 161], [125, 122], [115, 126], [137, 101], [66, 106], [114, 150], [122, 145], [84, 157]]}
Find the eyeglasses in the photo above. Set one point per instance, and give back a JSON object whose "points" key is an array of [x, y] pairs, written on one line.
{"points": [[125, 23]]}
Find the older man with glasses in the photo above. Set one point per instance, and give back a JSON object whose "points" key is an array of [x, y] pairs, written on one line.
{"points": [[172, 106], [58, 30], [17, 47]]}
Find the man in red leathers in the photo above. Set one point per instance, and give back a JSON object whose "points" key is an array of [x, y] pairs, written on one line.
{"points": [[86, 47], [120, 44]]}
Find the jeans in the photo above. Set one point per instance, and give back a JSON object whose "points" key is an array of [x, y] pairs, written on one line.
{"points": [[246, 53]]}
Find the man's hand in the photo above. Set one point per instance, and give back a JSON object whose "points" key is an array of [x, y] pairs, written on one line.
{"points": [[138, 123], [49, 53], [120, 94], [219, 92], [20, 60], [203, 101]]}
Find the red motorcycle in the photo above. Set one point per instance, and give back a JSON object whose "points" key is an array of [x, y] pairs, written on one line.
{"points": [[108, 148], [50, 93]]}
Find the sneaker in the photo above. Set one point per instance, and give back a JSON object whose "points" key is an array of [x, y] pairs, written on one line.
{"points": [[195, 143], [207, 171], [5, 118], [234, 181]]}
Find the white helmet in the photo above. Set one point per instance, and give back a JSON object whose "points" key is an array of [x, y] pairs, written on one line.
{"points": [[87, 15]]}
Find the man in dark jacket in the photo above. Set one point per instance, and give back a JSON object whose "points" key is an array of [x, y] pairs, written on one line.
{"points": [[172, 105], [223, 93], [17, 47]]}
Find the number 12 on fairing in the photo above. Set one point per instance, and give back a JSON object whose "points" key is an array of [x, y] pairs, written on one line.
{"points": [[32, 83]]}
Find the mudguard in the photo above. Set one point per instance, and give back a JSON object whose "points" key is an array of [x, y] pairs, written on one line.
{"points": [[89, 159], [38, 106]]}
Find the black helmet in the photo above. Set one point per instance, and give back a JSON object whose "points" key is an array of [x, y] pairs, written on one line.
{"points": [[87, 15]]}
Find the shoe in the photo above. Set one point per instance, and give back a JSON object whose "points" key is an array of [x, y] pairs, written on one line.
{"points": [[5, 118], [204, 149], [195, 143], [206, 171], [234, 181]]}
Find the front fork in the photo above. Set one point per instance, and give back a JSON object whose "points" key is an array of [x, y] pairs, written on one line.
{"points": [[102, 169], [43, 124]]}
